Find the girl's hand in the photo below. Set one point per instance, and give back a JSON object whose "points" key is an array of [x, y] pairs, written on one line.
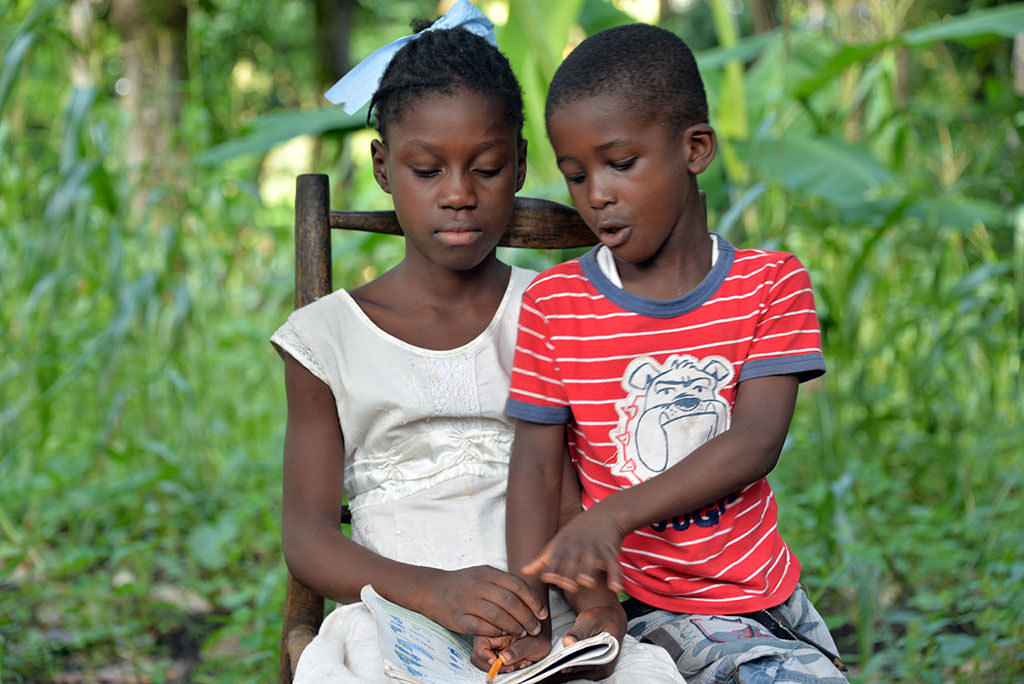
{"points": [[525, 651], [584, 549], [516, 653], [483, 601]]}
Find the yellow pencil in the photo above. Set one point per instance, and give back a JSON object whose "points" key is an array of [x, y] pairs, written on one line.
{"points": [[493, 672]]}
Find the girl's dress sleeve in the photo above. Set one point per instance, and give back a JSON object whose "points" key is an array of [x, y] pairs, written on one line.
{"points": [[289, 338]]}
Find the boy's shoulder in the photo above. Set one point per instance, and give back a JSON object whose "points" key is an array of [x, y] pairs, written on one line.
{"points": [[749, 261], [566, 275], [757, 256]]}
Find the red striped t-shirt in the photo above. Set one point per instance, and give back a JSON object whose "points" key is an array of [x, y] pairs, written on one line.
{"points": [[642, 382]]}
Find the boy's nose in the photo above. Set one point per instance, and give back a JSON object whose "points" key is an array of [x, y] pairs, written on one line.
{"points": [[457, 191], [599, 194]]}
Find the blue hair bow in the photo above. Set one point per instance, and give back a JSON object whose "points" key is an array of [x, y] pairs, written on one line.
{"points": [[357, 86]]}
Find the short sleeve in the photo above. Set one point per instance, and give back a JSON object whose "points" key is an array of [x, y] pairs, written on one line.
{"points": [[787, 339], [537, 393], [289, 338]]}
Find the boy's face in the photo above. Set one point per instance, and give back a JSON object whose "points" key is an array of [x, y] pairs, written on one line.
{"points": [[630, 177]]}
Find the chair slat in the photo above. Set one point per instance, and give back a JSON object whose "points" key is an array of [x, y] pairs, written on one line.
{"points": [[535, 223]]}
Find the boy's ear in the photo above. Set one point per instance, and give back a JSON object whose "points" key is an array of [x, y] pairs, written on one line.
{"points": [[699, 146], [521, 165], [379, 154]]}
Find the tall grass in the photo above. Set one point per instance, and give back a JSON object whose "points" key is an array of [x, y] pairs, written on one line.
{"points": [[140, 404], [141, 408]]}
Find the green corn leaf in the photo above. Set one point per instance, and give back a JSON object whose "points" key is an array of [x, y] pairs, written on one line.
{"points": [[277, 127], [1005, 22], [12, 62], [831, 169]]}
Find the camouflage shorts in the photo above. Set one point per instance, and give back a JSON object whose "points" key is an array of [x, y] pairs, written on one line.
{"points": [[721, 649]]}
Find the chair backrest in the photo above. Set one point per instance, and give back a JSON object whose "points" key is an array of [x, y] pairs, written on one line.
{"points": [[535, 223]]}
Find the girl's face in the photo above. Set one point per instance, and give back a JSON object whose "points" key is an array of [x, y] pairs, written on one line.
{"points": [[452, 165]]}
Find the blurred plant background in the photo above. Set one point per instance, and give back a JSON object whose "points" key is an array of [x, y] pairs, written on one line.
{"points": [[148, 150]]}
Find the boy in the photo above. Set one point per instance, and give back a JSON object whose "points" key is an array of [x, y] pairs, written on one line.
{"points": [[671, 360]]}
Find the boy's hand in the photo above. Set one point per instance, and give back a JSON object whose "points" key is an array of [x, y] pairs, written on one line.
{"points": [[482, 600], [584, 549], [609, 618]]}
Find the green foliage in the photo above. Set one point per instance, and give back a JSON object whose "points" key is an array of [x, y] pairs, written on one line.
{"points": [[141, 408]]}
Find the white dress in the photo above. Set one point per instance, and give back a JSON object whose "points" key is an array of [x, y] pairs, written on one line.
{"points": [[426, 463]]}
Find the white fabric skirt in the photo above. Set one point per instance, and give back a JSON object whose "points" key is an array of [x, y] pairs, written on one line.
{"points": [[347, 651]]}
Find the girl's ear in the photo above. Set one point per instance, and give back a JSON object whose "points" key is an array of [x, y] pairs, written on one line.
{"points": [[521, 165], [699, 146], [379, 154]]}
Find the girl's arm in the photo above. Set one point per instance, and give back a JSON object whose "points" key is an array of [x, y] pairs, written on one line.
{"points": [[481, 600], [743, 454]]}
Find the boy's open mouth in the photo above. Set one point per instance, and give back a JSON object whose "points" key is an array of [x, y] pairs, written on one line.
{"points": [[613, 236]]}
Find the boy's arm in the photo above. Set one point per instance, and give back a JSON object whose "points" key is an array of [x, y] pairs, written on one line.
{"points": [[598, 609], [535, 502], [534, 488], [743, 454]]}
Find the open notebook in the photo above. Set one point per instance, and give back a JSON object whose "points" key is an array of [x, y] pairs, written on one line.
{"points": [[418, 650]]}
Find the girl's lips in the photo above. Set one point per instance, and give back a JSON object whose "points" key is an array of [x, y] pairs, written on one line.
{"points": [[458, 237], [614, 236]]}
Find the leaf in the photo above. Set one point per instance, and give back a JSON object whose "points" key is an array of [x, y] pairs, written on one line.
{"points": [[997, 21], [598, 15], [733, 213], [957, 211], [828, 168], [744, 50], [277, 127], [846, 56], [209, 543], [12, 62], [1005, 21], [74, 117], [533, 40]]}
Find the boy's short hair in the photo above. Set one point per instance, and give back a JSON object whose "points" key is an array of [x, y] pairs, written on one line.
{"points": [[650, 68]]}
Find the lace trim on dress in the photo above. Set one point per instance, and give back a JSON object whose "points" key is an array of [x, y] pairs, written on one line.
{"points": [[290, 339]]}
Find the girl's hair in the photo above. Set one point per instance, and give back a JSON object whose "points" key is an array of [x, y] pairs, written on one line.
{"points": [[443, 61]]}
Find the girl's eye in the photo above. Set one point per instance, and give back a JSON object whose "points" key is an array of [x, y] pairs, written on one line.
{"points": [[623, 165], [574, 178], [489, 173], [425, 173]]}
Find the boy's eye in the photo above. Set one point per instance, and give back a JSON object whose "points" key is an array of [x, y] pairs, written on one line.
{"points": [[489, 173], [574, 177], [425, 173], [624, 164]]}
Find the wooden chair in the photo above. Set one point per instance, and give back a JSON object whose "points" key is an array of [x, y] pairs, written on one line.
{"points": [[535, 223]]}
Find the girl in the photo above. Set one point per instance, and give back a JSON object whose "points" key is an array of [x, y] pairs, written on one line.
{"points": [[396, 390]]}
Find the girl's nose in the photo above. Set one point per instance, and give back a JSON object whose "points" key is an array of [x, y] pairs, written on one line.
{"points": [[457, 191]]}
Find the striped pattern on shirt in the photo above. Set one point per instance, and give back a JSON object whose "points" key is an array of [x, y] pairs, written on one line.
{"points": [[641, 383]]}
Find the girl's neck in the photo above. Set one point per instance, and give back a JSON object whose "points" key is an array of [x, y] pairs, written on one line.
{"points": [[436, 286], [435, 308]]}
